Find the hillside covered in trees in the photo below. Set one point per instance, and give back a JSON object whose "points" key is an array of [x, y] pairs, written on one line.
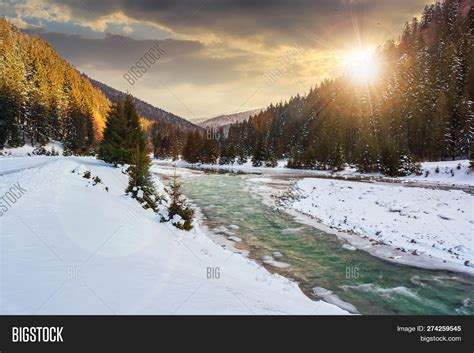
{"points": [[420, 107], [145, 109], [42, 97]]}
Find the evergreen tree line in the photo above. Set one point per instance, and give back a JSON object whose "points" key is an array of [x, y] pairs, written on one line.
{"points": [[125, 142], [419, 108], [42, 97], [193, 145], [168, 140]]}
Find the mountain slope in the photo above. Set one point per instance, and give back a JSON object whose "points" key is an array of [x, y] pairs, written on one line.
{"points": [[228, 119], [43, 97], [146, 110], [420, 105]]}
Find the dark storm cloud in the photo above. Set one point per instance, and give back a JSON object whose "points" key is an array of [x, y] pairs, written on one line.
{"points": [[115, 50], [183, 61], [247, 18]]}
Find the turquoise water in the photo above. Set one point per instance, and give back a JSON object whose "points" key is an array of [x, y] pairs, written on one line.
{"points": [[317, 259]]}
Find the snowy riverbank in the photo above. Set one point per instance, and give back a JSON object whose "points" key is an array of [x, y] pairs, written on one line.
{"points": [[422, 226], [443, 173], [72, 247], [409, 225]]}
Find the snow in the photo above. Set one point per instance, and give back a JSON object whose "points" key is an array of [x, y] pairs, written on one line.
{"points": [[224, 121], [27, 148], [234, 238], [448, 172], [10, 165], [177, 219], [451, 173], [274, 263], [415, 220], [260, 180], [349, 247], [329, 297], [269, 260], [71, 247]]}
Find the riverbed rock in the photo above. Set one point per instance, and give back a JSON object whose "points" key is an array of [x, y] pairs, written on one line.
{"points": [[329, 297], [468, 263], [234, 238], [268, 260], [444, 217], [224, 231]]}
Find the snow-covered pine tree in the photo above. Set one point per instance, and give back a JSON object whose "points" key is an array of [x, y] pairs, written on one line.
{"points": [[270, 159], [179, 212], [336, 160]]}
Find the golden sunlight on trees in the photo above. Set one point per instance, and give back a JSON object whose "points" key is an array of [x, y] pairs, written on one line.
{"points": [[43, 97]]}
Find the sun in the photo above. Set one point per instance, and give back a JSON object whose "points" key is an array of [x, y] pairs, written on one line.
{"points": [[361, 65]]}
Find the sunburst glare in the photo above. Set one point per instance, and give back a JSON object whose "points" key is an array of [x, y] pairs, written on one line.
{"points": [[361, 65]]}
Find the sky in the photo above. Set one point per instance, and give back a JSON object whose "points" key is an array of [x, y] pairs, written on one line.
{"points": [[216, 56]]}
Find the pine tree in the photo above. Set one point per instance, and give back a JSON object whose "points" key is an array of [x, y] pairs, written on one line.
{"points": [[270, 159], [296, 159], [223, 156], [231, 154], [389, 159], [208, 151], [9, 129], [192, 147], [114, 148], [336, 160], [259, 152], [140, 185], [39, 91], [367, 159], [471, 155], [309, 158], [422, 102], [242, 158], [78, 133], [125, 142], [135, 145], [179, 213]]}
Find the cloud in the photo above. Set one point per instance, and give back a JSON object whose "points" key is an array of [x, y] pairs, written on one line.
{"points": [[22, 24], [272, 21], [115, 50], [184, 61], [217, 51]]}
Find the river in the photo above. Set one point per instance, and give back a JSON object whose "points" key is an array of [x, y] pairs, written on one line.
{"points": [[317, 259]]}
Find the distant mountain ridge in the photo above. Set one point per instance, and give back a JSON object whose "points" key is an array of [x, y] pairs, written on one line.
{"points": [[225, 121], [145, 109]]}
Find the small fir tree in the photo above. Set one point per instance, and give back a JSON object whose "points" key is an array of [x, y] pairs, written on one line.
{"points": [[179, 213]]}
